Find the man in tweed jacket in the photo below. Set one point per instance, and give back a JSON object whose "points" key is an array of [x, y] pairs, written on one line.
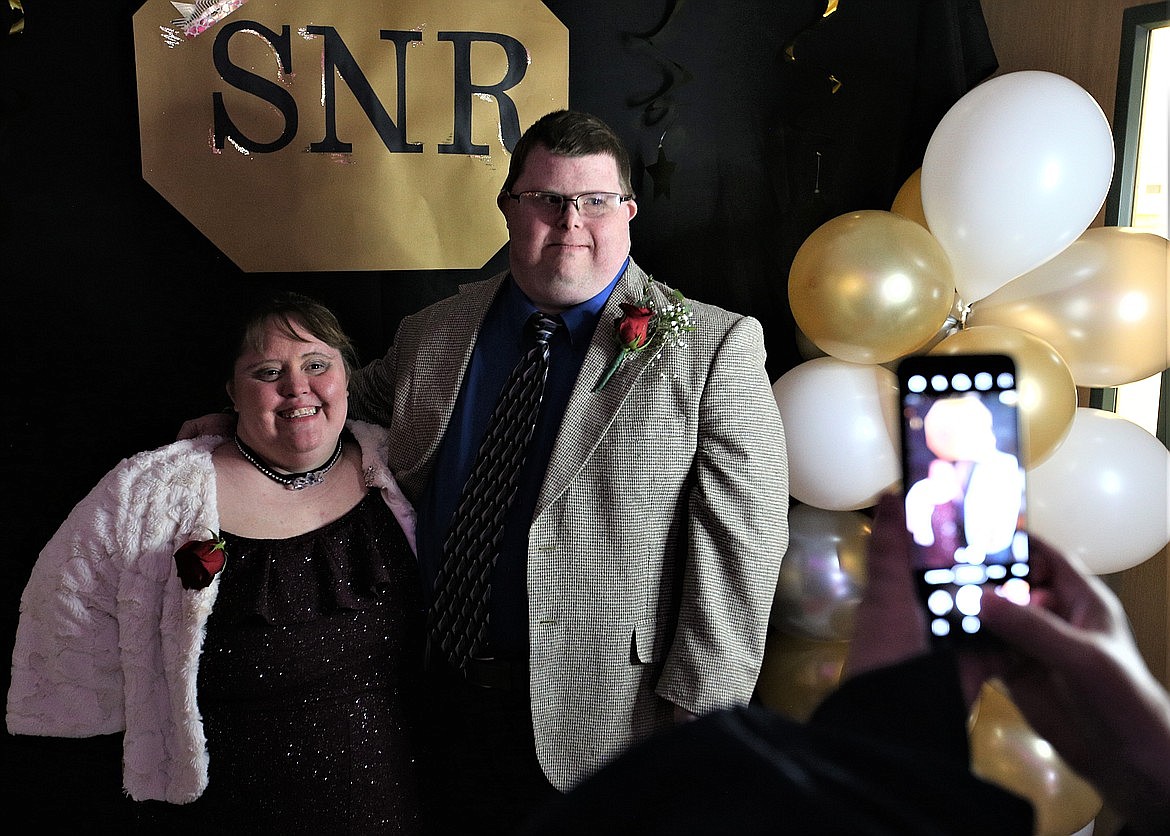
{"points": [[660, 508]]}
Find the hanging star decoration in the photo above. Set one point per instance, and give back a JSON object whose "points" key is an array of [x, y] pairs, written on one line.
{"points": [[660, 171], [660, 104]]}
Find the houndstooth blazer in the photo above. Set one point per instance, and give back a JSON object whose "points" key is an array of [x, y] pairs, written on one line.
{"points": [[658, 533]]}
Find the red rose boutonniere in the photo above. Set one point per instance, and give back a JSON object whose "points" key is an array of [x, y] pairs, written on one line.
{"points": [[643, 325], [198, 561]]}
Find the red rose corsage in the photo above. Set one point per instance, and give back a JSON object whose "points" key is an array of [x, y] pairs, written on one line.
{"points": [[199, 561]]}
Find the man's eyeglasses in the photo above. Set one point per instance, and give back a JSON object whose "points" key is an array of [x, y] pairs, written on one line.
{"points": [[551, 204]]}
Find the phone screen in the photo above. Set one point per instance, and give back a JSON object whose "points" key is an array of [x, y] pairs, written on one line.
{"points": [[963, 485]]}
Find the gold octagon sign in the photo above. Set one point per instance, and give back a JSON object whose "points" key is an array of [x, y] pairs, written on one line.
{"points": [[365, 135]]}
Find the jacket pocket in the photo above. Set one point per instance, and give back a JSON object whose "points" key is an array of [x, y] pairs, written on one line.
{"points": [[645, 642]]}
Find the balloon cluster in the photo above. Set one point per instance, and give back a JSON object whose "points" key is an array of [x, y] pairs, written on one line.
{"points": [[986, 249]]}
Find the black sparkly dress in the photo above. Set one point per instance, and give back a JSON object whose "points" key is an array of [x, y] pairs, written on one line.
{"points": [[308, 681]]}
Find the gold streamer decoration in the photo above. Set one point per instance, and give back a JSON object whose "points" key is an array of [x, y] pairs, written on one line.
{"points": [[831, 6], [17, 26], [659, 105]]}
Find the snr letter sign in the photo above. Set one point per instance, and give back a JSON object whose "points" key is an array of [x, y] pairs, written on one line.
{"points": [[364, 135]]}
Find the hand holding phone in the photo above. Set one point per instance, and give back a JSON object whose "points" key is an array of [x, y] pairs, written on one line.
{"points": [[963, 486]]}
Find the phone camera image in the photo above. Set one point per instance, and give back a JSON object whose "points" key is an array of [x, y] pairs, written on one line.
{"points": [[963, 486]]}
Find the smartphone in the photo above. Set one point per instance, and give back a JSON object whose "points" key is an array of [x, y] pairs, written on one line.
{"points": [[963, 486]]}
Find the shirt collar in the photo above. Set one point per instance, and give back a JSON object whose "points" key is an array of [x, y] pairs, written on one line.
{"points": [[578, 320]]}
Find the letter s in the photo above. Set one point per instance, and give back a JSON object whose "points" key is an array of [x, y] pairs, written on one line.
{"points": [[261, 88]]}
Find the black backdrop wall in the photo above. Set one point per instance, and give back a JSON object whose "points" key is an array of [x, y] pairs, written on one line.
{"points": [[111, 292]]}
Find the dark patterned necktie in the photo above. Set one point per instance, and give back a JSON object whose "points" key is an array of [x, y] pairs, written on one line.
{"points": [[459, 615]]}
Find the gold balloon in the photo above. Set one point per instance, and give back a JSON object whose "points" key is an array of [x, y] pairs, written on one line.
{"points": [[1102, 303], [797, 673], [1048, 396], [908, 200], [1007, 752], [806, 348], [870, 286], [949, 326]]}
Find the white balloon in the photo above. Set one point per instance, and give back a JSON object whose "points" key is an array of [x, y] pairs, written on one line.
{"points": [[840, 427], [1014, 172], [1102, 496]]}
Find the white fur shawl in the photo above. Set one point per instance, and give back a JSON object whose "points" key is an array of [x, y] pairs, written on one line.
{"points": [[109, 640]]}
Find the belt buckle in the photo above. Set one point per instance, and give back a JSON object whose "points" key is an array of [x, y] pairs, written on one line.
{"points": [[489, 672]]}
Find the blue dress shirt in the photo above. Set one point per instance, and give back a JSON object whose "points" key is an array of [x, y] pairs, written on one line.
{"points": [[501, 343]]}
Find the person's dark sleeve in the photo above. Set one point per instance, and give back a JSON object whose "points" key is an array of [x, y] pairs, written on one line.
{"points": [[887, 754], [371, 390], [917, 704]]}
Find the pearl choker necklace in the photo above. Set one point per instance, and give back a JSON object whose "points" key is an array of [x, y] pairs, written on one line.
{"points": [[291, 481]]}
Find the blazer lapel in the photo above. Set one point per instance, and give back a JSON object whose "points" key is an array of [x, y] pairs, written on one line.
{"points": [[589, 414]]}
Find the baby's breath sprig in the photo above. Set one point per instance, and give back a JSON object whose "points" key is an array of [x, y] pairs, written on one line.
{"points": [[643, 325]]}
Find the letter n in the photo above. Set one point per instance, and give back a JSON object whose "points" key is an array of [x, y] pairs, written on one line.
{"points": [[339, 58]]}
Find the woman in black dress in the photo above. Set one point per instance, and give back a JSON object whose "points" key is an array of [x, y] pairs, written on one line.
{"points": [[245, 609]]}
